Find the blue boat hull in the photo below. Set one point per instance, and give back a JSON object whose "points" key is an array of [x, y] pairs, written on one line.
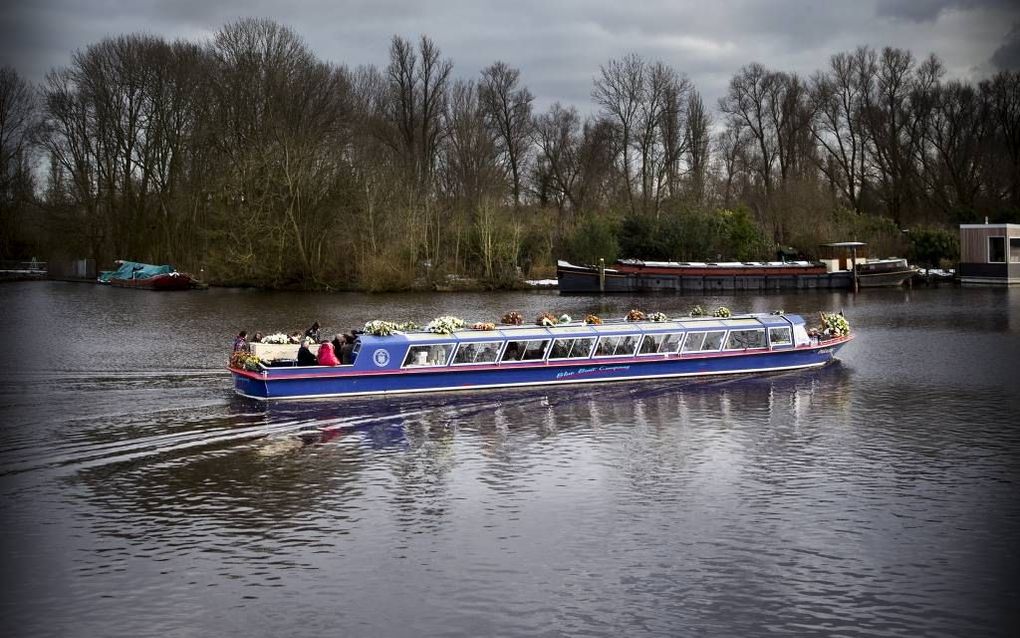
{"points": [[305, 383]]}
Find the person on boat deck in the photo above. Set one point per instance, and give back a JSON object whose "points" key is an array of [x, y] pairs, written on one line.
{"points": [[305, 357], [326, 355], [313, 332], [338, 342], [257, 338], [241, 342], [347, 350]]}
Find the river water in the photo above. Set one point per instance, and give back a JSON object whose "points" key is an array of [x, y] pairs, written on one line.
{"points": [[875, 497]]}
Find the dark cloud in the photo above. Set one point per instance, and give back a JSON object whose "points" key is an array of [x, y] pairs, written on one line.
{"points": [[929, 10], [1007, 57], [557, 45]]}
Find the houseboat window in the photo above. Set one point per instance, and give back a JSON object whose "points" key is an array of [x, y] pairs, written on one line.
{"points": [[572, 348], [780, 336], [619, 346], [423, 356], [525, 350], [661, 343], [996, 250], [742, 339], [1014, 250], [485, 352]]}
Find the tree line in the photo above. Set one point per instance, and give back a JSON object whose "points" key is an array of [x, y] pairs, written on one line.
{"points": [[253, 161]]}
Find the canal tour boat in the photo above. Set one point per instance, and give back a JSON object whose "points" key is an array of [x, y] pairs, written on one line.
{"points": [[571, 352]]}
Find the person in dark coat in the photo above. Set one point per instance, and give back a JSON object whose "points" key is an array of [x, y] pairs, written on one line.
{"points": [[313, 332], [306, 357], [338, 342], [241, 342], [347, 350]]}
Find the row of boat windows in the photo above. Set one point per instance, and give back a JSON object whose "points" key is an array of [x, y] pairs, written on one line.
{"points": [[585, 347]]}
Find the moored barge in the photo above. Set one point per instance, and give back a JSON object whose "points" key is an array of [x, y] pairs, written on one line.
{"points": [[633, 275], [575, 352]]}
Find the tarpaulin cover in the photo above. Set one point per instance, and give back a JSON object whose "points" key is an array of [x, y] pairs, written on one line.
{"points": [[135, 270]]}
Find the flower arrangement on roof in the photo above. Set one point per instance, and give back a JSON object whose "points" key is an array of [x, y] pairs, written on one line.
{"points": [[408, 326], [546, 319], [835, 325], [445, 325], [513, 318], [279, 337], [245, 361], [658, 316], [380, 328], [722, 311], [635, 315], [697, 311], [779, 312], [483, 326], [593, 320], [565, 318]]}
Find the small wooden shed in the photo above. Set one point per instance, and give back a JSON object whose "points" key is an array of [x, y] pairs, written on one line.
{"points": [[990, 254]]}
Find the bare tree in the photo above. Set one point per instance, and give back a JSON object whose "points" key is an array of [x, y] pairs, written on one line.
{"points": [[697, 141], [17, 126], [888, 115], [839, 96], [619, 91], [508, 112], [747, 106]]}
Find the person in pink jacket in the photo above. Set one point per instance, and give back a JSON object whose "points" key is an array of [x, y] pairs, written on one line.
{"points": [[326, 355]]}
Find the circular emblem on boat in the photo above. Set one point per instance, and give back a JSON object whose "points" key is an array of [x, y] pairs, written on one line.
{"points": [[381, 358]]}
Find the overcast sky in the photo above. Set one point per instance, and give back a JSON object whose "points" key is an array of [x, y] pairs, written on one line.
{"points": [[557, 44]]}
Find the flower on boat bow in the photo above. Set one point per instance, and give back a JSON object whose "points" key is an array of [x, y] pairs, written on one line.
{"points": [[593, 320], [658, 316], [835, 324], [635, 315], [546, 319], [445, 325], [242, 360], [279, 337], [722, 311], [512, 318]]}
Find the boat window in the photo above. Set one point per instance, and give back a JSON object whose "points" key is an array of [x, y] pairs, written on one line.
{"points": [[531, 350], [1014, 250], [666, 343], [572, 348], [619, 346], [694, 341], [996, 250], [780, 336], [650, 344], [423, 356], [484, 352], [743, 339], [672, 343], [714, 339]]}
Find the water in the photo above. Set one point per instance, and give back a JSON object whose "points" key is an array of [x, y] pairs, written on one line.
{"points": [[874, 497]]}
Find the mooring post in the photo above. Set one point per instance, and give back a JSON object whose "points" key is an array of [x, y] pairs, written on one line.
{"points": [[602, 274], [853, 267]]}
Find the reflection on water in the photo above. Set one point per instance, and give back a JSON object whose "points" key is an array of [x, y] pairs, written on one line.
{"points": [[875, 496]]}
